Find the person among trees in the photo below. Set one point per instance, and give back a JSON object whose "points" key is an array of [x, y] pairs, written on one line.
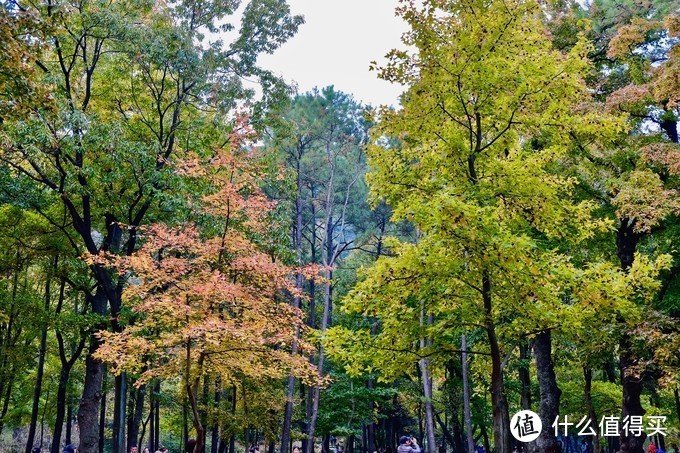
{"points": [[296, 449], [408, 445], [254, 448], [70, 448], [651, 448]]}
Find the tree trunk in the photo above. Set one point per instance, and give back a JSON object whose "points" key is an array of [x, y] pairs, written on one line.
{"points": [[7, 368], [524, 376], [5, 404], [588, 397], [326, 444], [157, 414], [215, 438], [297, 303], [153, 442], [466, 399], [485, 438], [550, 393], [670, 127], [676, 394], [320, 364], [69, 425], [430, 445], [191, 388], [626, 243], [135, 418], [41, 365], [632, 389], [88, 409], [429, 410], [119, 410], [62, 386], [499, 403]]}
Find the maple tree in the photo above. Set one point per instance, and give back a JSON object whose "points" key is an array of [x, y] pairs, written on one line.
{"points": [[108, 92], [212, 303]]}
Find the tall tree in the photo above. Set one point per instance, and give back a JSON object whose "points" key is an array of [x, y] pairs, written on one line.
{"points": [[128, 82], [484, 119], [210, 304]]}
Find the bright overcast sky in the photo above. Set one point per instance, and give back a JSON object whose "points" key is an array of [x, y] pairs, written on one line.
{"points": [[336, 44]]}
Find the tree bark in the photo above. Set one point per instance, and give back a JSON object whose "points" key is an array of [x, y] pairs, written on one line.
{"points": [[191, 388], [466, 398], [632, 390], [524, 376], [88, 409], [41, 365], [429, 410], [297, 303], [320, 363], [64, 374], [550, 393], [215, 438], [631, 380], [119, 411], [588, 397], [136, 412], [499, 403]]}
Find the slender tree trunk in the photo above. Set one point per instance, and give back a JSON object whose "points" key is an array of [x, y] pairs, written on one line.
{"points": [[157, 414], [550, 393], [297, 303], [320, 363], [326, 444], [191, 388], [135, 418], [41, 364], [69, 425], [88, 409], [485, 438], [142, 434], [60, 411], [588, 397], [102, 412], [430, 445], [7, 369], [466, 398], [632, 390], [64, 374], [119, 411], [676, 394], [524, 376], [215, 438], [626, 244], [5, 403], [153, 442], [499, 403]]}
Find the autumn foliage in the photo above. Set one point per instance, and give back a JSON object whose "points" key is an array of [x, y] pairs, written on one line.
{"points": [[212, 304]]}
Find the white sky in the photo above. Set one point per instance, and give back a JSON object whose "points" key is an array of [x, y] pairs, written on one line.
{"points": [[336, 44]]}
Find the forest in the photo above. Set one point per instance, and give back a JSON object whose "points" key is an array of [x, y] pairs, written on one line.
{"points": [[196, 256]]}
